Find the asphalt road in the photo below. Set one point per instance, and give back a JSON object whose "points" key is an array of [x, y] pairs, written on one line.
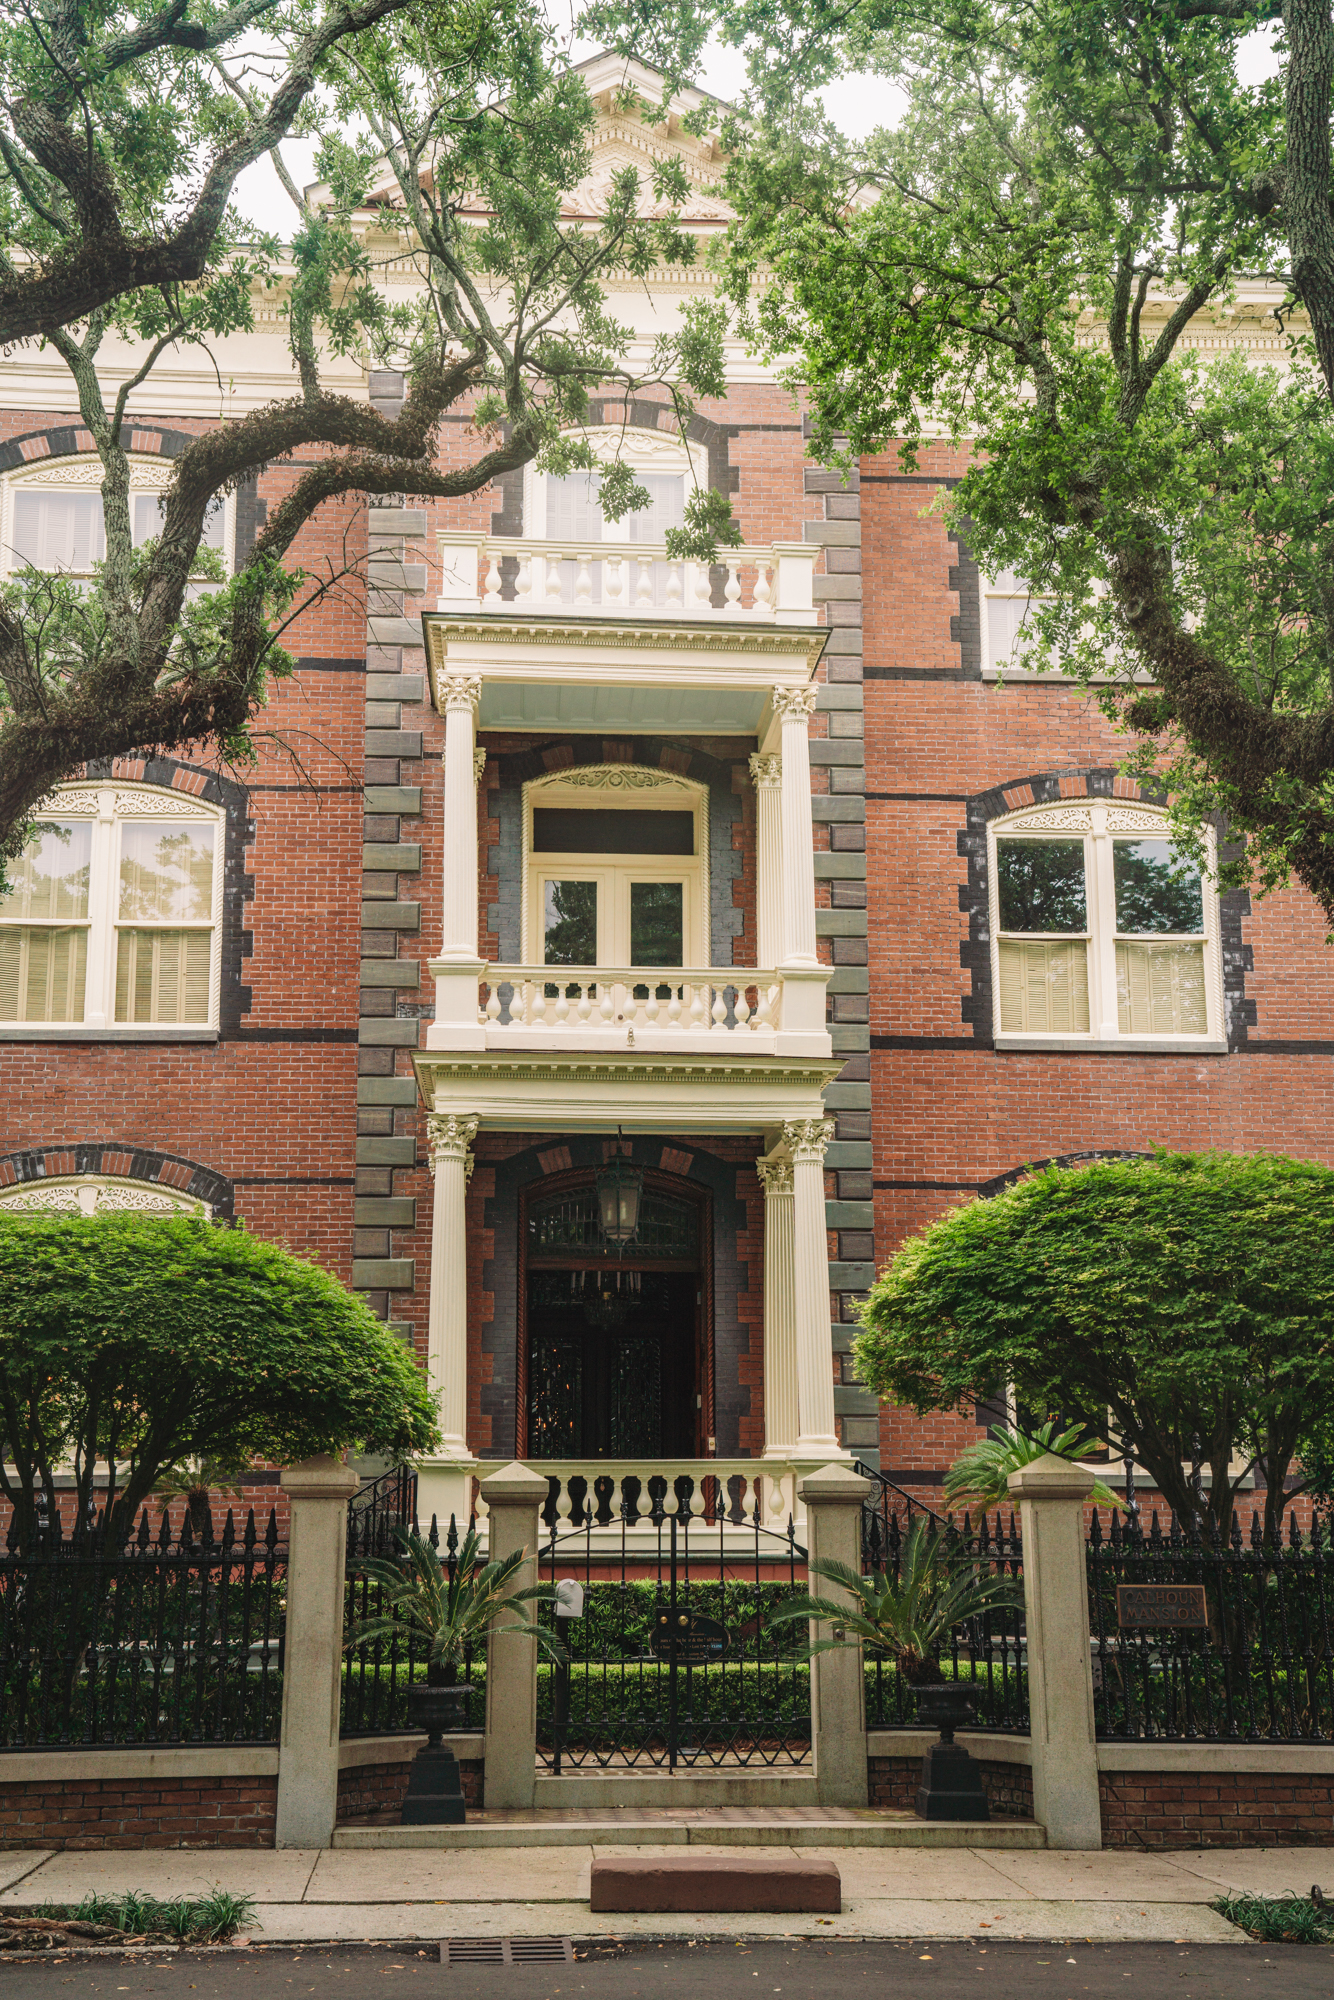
{"points": [[730, 1969]]}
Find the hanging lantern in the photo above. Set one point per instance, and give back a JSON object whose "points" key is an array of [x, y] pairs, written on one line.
{"points": [[619, 1187]]}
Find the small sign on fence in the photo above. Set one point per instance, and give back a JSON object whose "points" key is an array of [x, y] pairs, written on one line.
{"points": [[1180, 1605], [688, 1637]]}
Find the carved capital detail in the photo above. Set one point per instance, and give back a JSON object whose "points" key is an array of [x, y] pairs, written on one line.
{"points": [[766, 771], [449, 1138], [775, 1176], [479, 757], [806, 1138], [460, 691], [795, 704]]}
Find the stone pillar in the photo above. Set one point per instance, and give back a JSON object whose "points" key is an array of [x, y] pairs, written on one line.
{"points": [[833, 1499], [318, 1491], [806, 1139], [458, 967], [1052, 1494], [449, 1139], [794, 706], [515, 1497], [767, 777], [780, 1329]]}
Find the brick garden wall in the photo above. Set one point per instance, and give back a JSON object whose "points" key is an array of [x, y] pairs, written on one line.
{"points": [[893, 1783], [139, 1812], [372, 1794], [1151, 1809]]}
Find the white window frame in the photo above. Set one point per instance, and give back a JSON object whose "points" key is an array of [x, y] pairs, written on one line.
{"points": [[1009, 588], [148, 474], [1098, 822], [628, 787], [107, 806], [643, 451], [97, 1194]]}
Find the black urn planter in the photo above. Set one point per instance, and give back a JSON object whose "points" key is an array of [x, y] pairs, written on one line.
{"points": [[435, 1796], [951, 1786]]}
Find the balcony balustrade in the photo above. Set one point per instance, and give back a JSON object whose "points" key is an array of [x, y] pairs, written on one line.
{"points": [[673, 1000], [763, 586]]}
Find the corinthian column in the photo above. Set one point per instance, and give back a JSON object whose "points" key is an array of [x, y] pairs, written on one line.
{"points": [[460, 694], [794, 706], [780, 1334], [449, 1139], [806, 1139], [767, 777]]}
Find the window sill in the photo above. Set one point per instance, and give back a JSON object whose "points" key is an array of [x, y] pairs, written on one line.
{"points": [[38, 1031], [1123, 1045]]}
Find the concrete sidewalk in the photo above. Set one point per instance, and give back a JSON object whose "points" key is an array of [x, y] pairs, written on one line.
{"points": [[316, 1895]]}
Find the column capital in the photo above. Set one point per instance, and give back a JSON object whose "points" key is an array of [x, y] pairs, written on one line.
{"points": [[449, 1137], [795, 704], [479, 757], [806, 1138], [766, 770], [460, 691], [775, 1176]]}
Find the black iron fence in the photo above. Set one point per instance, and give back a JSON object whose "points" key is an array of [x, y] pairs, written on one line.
{"points": [[988, 1652], [163, 1639], [377, 1674], [1259, 1668], [672, 1662]]}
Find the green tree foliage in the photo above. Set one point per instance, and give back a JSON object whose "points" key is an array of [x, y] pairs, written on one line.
{"points": [[1187, 1295], [130, 1345], [1018, 261], [979, 1476], [451, 1613], [466, 124]]}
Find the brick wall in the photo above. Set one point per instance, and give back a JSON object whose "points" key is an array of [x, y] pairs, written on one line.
{"points": [[372, 1794], [139, 1812], [1216, 1809], [893, 1781]]}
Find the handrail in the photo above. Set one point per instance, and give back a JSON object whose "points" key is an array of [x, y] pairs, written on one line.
{"points": [[703, 999]]}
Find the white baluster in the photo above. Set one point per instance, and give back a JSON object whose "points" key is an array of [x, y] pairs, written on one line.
{"points": [[554, 588], [606, 1003], [585, 1007], [703, 589], [769, 1006], [523, 583], [651, 1007], [562, 1005], [697, 1006], [583, 582], [732, 588], [491, 588], [674, 596], [764, 596], [644, 584], [613, 579], [674, 1008], [493, 1005], [741, 1007], [719, 1008]]}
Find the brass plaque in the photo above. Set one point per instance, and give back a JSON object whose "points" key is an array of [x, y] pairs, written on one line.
{"points": [[1139, 1605]]}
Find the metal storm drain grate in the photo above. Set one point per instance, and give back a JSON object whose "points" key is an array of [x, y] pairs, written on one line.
{"points": [[507, 1951]]}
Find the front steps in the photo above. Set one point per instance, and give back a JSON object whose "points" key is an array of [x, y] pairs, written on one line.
{"points": [[683, 1826]]}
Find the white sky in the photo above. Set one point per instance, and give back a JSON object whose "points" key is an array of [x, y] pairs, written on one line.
{"points": [[856, 103]]}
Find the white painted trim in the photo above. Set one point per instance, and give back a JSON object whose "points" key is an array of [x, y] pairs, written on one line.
{"points": [[211, 1760]]}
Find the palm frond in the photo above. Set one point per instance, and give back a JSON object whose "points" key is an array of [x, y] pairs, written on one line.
{"points": [[979, 1476]]}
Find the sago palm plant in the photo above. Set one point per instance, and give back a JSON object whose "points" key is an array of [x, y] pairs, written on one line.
{"points": [[978, 1476], [909, 1617], [451, 1613]]}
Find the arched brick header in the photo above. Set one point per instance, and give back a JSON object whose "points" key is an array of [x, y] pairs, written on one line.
{"points": [[1050, 788], [125, 1162], [1000, 1182]]}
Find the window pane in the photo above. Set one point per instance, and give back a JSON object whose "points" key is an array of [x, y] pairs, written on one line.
{"points": [[162, 975], [166, 872], [1041, 885], [50, 877], [147, 521], [1156, 890], [41, 974], [573, 513], [574, 831], [58, 530], [650, 524], [1160, 989], [570, 923], [1005, 615], [657, 927], [1044, 989]]}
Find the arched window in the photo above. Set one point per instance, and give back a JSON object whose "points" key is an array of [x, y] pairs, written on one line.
{"points": [[565, 508], [97, 1194], [111, 920], [51, 514], [1100, 932]]}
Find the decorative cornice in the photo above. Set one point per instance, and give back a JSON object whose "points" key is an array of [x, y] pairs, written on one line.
{"points": [[808, 1137], [711, 635], [484, 1066], [449, 1137], [766, 771], [614, 778], [775, 1176], [795, 704]]}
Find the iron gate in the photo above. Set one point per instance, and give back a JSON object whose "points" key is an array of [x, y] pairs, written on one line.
{"points": [[670, 1661]]}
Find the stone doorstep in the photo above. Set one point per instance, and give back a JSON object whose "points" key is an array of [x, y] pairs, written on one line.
{"points": [[869, 1830], [696, 1882]]}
